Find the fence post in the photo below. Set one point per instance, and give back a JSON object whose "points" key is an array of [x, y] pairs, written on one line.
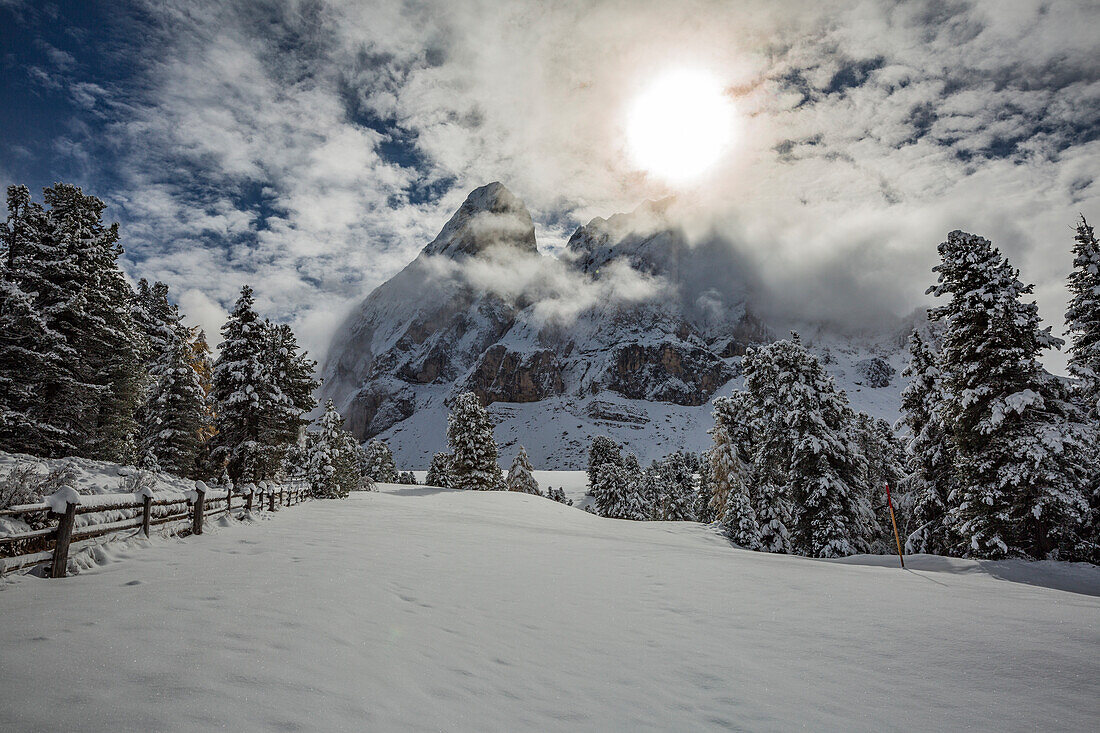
{"points": [[64, 536], [270, 498], [146, 512], [200, 507], [248, 498], [228, 497]]}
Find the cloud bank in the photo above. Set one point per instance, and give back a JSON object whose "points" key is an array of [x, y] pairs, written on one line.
{"points": [[313, 147]]}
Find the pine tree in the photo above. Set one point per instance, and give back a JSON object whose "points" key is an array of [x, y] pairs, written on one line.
{"points": [[334, 458], [290, 371], [87, 300], [378, 462], [173, 414], [1019, 469], [739, 520], [882, 463], [470, 435], [38, 377], [520, 476], [651, 489], [439, 472], [32, 373], [1083, 317], [676, 502], [618, 490], [600, 451], [241, 393], [729, 474], [1083, 328], [156, 317], [406, 478], [174, 407], [930, 473], [811, 425], [706, 488]]}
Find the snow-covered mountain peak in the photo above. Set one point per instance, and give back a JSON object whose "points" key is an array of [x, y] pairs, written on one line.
{"points": [[491, 216], [632, 334]]}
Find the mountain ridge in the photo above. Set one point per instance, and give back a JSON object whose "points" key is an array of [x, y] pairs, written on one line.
{"points": [[634, 325]]}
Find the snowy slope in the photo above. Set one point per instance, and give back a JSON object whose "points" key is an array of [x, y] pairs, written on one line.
{"points": [[420, 609]]}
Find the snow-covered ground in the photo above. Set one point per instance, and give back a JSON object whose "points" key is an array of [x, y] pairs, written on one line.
{"points": [[422, 609]]}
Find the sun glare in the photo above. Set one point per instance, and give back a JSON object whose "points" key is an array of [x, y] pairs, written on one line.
{"points": [[680, 125]]}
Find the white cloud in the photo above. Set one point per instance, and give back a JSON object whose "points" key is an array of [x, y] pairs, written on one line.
{"points": [[869, 130]]}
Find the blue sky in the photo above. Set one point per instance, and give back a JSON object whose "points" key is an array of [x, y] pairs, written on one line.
{"points": [[312, 147]]}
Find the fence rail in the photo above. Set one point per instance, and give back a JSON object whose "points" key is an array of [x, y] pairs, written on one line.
{"points": [[52, 544]]}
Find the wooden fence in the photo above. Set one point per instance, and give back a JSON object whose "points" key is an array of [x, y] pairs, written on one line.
{"points": [[52, 544]]}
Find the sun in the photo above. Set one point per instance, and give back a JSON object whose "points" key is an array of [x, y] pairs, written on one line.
{"points": [[680, 125]]}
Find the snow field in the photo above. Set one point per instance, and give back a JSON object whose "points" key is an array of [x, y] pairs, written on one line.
{"points": [[415, 608]]}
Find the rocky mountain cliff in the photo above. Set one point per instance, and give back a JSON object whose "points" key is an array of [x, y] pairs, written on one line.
{"points": [[631, 332]]}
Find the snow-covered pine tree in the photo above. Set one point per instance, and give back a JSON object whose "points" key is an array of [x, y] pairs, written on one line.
{"points": [[677, 500], [470, 435], [439, 472], [618, 490], [242, 392], [334, 460], [928, 452], [602, 450], [93, 313], [771, 446], [32, 370], [651, 489], [37, 372], [739, 520], [705, 489], [831, 516], [1019, 469], [174, 411], [378, 462], [290, 370], [406, 478], [156, 317], [1083, 317], [728, 474], [732, 434], [883, 463], [520, 476], [1083, 328]]}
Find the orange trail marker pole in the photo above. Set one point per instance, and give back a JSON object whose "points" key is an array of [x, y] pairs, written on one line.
{"points": [[894, 522]]}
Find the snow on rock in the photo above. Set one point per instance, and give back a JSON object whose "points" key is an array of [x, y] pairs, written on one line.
{"points": [[418, 608]]}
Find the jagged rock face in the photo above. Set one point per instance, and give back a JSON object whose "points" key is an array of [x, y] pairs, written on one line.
{"points": [[506, 376], [670, 372], [429, 332]]}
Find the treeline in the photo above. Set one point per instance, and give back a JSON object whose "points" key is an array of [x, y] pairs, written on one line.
{"points": [[793, 467], [92, 367], [1000, 458]]}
